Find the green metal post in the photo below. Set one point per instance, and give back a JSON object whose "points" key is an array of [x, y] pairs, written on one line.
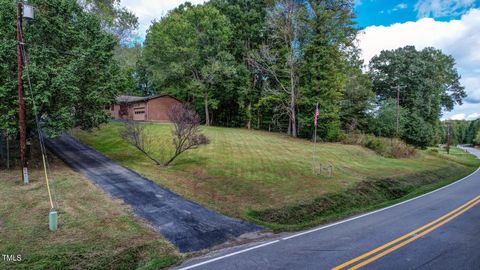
{"points": [[53, 220]]}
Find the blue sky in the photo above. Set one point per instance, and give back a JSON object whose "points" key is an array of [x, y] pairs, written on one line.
{"points": [[384, 12], [450, 25]]}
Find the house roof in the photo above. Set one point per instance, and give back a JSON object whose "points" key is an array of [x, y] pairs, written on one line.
{"points": [[130, 99], [134, 99]]}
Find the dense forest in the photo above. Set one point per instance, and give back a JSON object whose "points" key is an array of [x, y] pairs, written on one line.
{"points": [[258, 64], [463, 132], [265, 65], [69, 60]]}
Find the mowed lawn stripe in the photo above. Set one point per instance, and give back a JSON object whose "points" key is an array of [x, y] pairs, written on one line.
{"points": [[245, 169]]}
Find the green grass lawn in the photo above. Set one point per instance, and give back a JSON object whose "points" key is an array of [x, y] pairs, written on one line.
{"points": [[95, 231], [243, 170]]}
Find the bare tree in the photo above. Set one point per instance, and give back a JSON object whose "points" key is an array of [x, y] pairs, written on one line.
{"points": [[186, 132], [280, 58], [135, 134]]}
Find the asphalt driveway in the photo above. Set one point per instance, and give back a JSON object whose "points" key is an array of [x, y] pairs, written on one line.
{"points": [[188, 225]]}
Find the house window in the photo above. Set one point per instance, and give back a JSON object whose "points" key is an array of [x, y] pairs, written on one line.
{"points": [[139, 112]]}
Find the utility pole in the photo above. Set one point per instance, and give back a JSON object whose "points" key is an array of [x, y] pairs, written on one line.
{"points": [[398, 111], [21, 99], [449, 136], [8, 151]]}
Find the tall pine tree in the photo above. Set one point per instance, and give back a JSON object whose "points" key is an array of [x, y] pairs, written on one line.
{"points": [[324, 73]]}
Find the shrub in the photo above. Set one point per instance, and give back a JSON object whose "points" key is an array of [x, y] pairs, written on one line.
{"points": [[418, 132], [186, 131], [391, 148], [400, 149], [376, 145], [136, 135]]}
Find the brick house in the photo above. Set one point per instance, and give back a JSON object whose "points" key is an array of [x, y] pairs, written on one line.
{"points": [[153, 109]]}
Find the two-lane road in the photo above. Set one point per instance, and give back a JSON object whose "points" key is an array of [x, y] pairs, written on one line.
{"points": [[439, 230]]}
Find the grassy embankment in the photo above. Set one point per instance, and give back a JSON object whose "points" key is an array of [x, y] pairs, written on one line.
{"points": [[267, 178], [95, 231]]}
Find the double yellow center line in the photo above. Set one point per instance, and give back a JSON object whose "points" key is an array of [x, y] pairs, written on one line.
{"points": [[407, 238]]}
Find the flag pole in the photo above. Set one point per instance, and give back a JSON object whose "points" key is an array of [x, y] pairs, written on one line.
{"points": [[314, 148], [317, 114]]}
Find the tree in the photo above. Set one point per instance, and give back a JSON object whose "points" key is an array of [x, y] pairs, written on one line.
{"points": [[459, 130], [417, 131], [122, 23], [69, 62], [186, 53], [248, 20], [136, 135], [186, 132], [131, 80], [5, 137], [426, 81], [280, 58], [233, 59], [357, 99], [473, 129], [476, 141], [114, 18], [331, 38], [384, 121]]}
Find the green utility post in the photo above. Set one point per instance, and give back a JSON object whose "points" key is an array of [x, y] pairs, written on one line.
{"points": [[53, 220]]}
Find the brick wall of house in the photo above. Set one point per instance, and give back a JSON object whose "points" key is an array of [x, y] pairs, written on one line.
{"points": [[155, 109], [116, 111], [158, 108]]}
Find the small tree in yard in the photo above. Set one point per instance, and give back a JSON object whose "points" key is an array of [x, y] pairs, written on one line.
{"points": [[186, 132], [134, 133]]}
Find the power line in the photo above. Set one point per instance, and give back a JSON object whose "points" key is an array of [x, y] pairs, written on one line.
{"points": [[51, 191]]}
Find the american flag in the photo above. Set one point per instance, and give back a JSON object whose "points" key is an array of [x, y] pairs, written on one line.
{"points": [[317, 114]]}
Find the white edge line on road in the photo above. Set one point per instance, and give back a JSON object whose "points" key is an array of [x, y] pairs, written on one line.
{"points": [[376, 211], [229, 255], [324, 227]]}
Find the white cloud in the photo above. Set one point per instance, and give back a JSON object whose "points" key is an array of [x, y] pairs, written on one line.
{"points": [[442, 8], [467, 109], [459, 38], [400, 6], [149, 10], [460, 116], [473, 116]]}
